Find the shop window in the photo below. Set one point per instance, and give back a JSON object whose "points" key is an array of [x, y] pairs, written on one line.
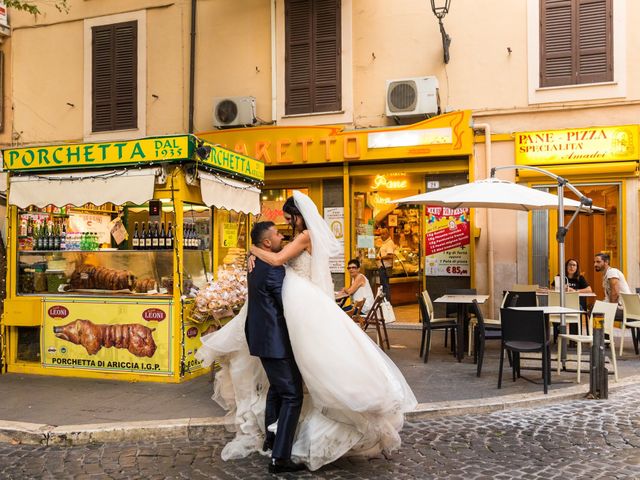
{"points": [[312, 56], [114, 76], [576, 42], [272, 201]]}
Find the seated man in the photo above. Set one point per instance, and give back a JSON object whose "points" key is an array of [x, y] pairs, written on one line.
{"points": [[613, 281], [359, 288]]}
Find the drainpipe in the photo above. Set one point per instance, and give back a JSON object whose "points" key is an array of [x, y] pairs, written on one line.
{"points": [[490, 253], [192, 64], [273, 61]]}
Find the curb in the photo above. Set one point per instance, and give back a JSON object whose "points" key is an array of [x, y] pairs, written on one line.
{"points": [[194, 428]]}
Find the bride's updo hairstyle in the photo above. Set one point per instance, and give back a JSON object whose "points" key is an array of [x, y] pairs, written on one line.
{"points": [[290, 208]]}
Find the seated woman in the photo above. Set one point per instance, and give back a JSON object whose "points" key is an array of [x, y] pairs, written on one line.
{"points": [[359, 288], [575, 281]]}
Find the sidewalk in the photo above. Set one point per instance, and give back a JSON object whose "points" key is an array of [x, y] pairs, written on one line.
{"points": [[39, 409]]}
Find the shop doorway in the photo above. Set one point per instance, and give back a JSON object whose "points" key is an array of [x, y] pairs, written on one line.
{"points": [[591, 234], [377, 221], [588, 235]]}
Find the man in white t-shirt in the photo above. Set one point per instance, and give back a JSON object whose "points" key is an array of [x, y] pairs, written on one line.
{"points": [[613, 281]]}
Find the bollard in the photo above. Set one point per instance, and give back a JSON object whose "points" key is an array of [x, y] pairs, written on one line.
{"points": [[598, 375]]}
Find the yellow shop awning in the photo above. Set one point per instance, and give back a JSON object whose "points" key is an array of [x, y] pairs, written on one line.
{"points": [[223, 192], [78, 188]]}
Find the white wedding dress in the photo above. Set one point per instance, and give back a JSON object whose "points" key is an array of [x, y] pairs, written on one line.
{"points": [[355, 396]]}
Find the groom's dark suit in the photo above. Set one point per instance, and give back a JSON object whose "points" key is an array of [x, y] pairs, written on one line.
{"points": [[268, 338]]}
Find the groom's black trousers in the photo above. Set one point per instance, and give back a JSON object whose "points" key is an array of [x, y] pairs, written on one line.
{"points": [[284, 402]]}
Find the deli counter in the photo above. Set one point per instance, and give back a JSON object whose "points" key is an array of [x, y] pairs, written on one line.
{"points": [[104, 261]]}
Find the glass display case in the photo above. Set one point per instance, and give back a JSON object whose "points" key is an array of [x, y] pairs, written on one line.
{"points": [[106, 272]]}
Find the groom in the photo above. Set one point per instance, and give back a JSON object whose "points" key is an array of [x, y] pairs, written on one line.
{"points": [[268, 338]]}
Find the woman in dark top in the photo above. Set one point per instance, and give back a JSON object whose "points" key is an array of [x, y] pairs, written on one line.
{"points": [[575, 281]]}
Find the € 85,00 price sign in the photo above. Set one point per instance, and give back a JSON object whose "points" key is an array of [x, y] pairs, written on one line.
{"points": [[447, 242]]}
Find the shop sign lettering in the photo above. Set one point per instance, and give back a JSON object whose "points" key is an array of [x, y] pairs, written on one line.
{"points": [[381, 181], [233, 162], [154, 314], [581, 145], [58, 311], [97, 154]]}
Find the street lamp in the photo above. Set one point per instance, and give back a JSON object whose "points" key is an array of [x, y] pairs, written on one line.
{"points": [[440, 8]]}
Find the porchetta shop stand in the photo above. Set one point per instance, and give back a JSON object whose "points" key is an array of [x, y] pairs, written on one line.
{"points": [[107, 244]]}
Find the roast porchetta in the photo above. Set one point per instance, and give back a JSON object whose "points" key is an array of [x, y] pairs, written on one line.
{"points": [[92, 277], [136, 338]]}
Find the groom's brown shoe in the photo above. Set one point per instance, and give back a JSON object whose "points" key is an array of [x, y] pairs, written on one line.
{"points": [[279, 465]]}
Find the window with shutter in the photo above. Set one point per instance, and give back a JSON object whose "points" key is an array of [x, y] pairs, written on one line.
{"points": [[312, 56], [576, 42], [114, 76]]}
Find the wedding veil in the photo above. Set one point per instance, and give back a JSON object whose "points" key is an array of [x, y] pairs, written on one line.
{"points": [[323, 243]]}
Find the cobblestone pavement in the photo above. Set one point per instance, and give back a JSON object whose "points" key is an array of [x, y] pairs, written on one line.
{"points": [[577, 439]]}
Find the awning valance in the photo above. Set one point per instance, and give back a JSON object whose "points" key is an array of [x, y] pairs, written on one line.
{"points": [[222, 192], [97, 187]]}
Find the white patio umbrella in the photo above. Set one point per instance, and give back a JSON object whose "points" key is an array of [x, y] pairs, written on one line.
{"points": [[492, 193], [495, 193]]}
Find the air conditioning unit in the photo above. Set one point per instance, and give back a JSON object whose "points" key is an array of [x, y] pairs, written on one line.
{"points": [[234, 111], [412, 96]]}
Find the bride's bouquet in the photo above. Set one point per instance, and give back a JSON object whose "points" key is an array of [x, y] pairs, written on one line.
{"points": [[225, 295]]}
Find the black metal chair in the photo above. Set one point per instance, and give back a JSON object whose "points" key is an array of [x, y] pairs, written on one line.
{"points": [[482, 333], [524, 332], [429, 323], [524, 299]]}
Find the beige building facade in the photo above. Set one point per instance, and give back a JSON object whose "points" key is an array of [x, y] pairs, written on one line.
{"points": [[503, 69]]}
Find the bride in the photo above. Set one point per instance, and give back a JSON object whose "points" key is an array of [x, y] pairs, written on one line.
{"points": [[356, 396]]}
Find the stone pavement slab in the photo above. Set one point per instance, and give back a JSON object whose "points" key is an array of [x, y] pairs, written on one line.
{"points": [[72, 410], [572, 439]]}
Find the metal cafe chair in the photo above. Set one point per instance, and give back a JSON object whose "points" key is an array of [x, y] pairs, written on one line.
{"points": [[430, 323], [482, 333], [524, 332]]}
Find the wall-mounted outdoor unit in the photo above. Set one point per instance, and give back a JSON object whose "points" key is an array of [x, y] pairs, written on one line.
{"points": [[234, 111], [412, 96]]}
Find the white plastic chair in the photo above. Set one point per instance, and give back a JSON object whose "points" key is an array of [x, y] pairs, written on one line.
{"points": [[571, 300], [631, 315], [609, 310]]}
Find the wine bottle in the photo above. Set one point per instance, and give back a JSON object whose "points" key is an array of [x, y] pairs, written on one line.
{"points": [[56, 237], [135, 241], [143, 238], [147, 240], [36, 237], [63, 237], [155, 241], [169, 238], [162, 238]]}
